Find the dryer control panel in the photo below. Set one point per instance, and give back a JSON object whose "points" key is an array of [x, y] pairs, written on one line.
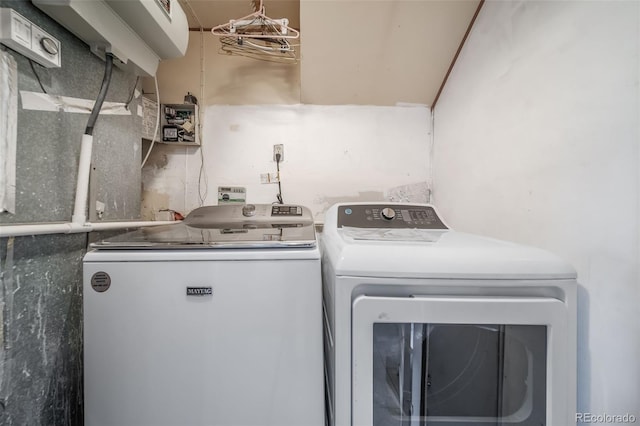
{"points": [[394, 216]]}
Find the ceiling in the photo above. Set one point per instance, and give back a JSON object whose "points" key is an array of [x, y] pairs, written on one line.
{"points": [[210, 13], [373, 52]]}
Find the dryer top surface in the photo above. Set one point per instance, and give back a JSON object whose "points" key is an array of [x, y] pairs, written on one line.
{"points": [[374, 245]]}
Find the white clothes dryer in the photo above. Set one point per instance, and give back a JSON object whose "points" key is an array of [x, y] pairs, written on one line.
{"points": [[216, 321], [425, 326]]}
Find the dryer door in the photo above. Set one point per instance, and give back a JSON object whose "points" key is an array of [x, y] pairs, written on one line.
{"points": [[435, 361]]}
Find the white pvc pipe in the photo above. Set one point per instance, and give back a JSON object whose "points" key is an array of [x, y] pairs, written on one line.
{"points": [[155, 132], [82, 187], [78, 222], [72, 228]]}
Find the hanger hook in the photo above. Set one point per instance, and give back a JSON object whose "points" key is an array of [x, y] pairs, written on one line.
{"points": [[258, 6]]}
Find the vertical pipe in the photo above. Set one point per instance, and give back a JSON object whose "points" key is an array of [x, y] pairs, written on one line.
{"points": [[84, 166], [82, 185]]}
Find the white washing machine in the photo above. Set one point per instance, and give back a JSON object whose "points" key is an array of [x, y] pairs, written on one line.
{"points": [[216, 321], [425, 326]]}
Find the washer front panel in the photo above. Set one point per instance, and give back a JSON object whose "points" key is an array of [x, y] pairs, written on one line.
{"points": [[215, 343]]}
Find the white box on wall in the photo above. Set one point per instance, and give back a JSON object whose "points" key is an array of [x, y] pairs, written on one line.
{"points": [[26, 38]]}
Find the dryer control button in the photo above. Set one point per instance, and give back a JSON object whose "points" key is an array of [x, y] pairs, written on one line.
{"points": [[388, 213]]}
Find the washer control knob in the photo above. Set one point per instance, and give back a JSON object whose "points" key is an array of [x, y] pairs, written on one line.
{"points": [[49, 46], [249, 210], [388, 213]]}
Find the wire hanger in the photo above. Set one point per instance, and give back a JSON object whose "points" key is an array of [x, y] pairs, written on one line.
{"points": [[257, 25], [258, 36]]}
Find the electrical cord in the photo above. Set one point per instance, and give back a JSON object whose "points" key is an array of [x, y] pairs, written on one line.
{"points": [[33, 68], [101, 95], [279, 196], [203, 179]]}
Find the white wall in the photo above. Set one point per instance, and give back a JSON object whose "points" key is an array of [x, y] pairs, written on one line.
{"points": [[332, 153], [536, 141]]}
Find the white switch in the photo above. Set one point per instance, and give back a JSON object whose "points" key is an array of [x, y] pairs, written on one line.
{"points": [[21, 30], [21, 35]]}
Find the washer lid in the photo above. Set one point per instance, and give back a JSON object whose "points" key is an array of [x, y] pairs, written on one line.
{"points": [[226, 226]]}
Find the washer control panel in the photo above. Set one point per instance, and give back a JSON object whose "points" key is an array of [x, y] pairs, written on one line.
{"points": [[395, 216], [238, 216]]}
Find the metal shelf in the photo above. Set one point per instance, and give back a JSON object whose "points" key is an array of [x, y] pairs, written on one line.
{"points": [[179, 143]]}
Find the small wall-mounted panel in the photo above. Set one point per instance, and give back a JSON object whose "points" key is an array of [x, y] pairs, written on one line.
{"points": [[26, 38], [179, 124]]}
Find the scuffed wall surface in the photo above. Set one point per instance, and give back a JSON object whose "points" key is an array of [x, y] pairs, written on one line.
{"points": [[41, 370], [331, 154], [40, 277]]}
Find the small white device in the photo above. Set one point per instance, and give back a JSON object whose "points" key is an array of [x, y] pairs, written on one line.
{"points": [[23, 36]]}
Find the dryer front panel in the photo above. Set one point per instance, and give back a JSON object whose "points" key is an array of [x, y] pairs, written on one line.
{"points": [[435, 361]]}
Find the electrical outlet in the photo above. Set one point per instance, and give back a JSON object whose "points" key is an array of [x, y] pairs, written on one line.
{"points": [[278, 149], [269, 178]]}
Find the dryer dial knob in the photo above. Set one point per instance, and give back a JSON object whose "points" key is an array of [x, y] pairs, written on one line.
{"points": [[388, 213], [249, 210]]}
